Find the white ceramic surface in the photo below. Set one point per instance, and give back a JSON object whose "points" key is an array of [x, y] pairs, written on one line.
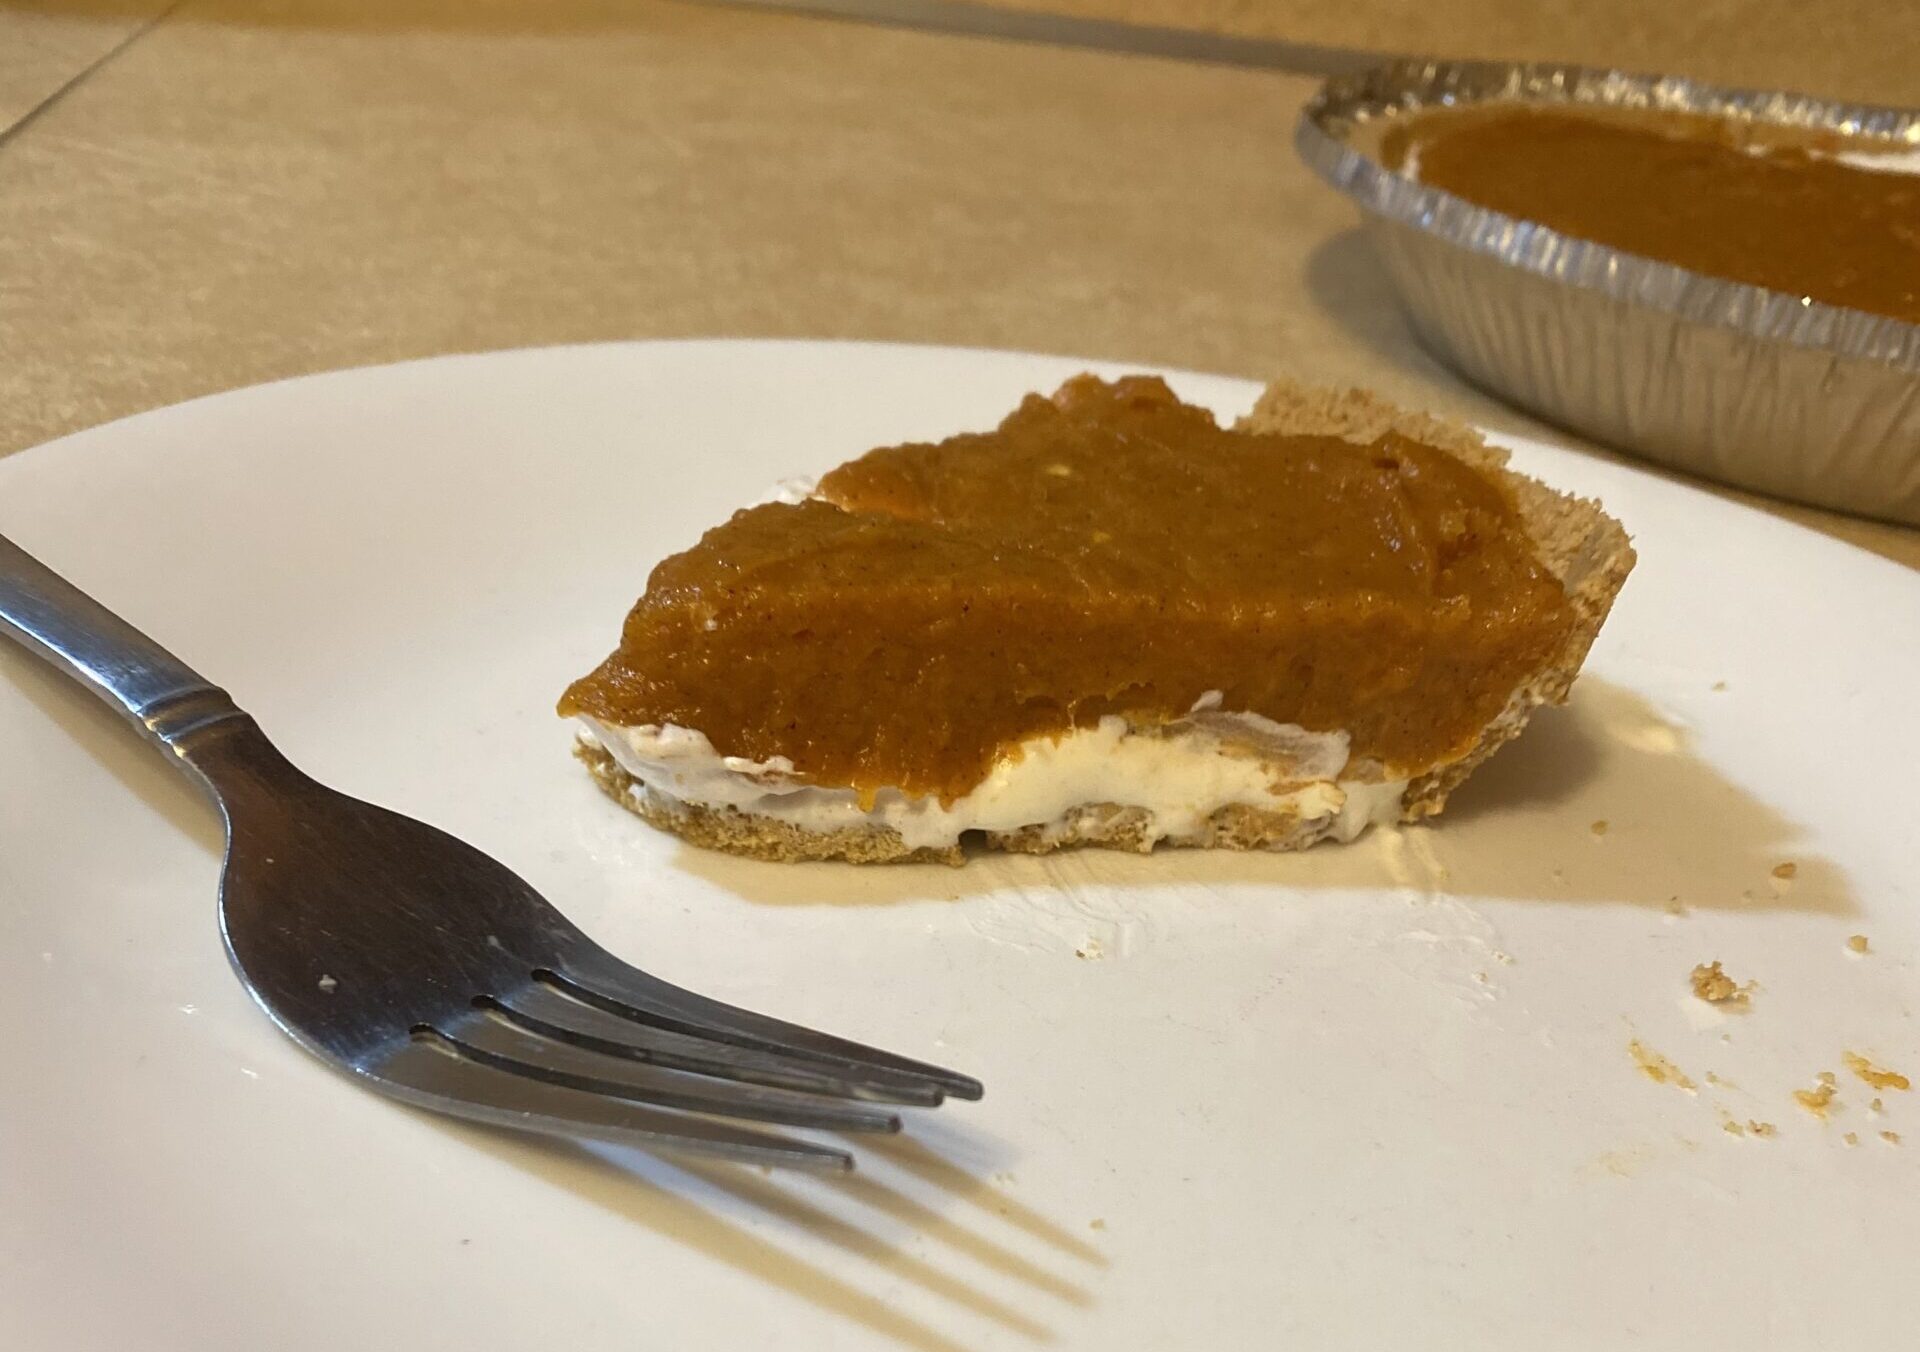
{"points": [[1368, 1097]]}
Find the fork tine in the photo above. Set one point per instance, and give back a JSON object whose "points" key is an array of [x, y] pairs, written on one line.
{"points": [[543, 1009], [425, 1073], [601, 979], [489, 1039]]}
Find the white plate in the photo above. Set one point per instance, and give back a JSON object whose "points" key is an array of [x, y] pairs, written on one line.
{"points": [[1371, 1097]]}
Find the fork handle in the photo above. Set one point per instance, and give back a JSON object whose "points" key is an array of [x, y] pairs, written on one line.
{"points": [[71, 631]]}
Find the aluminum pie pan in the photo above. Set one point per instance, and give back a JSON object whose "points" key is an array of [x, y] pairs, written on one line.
{"points": [[1751, 387]]}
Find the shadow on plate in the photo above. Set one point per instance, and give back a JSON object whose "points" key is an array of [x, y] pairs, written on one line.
{"points": [[884, 1237], [1602, 801]]}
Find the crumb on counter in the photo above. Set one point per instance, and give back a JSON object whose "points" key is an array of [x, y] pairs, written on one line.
{"points": [[1852, 1138], [1719, 686], [1599, 828], [1876, 1107], [1657, 1067], [1818, 1100], [1762, 1128], [1890, 1137], [1858, 943], [1097, 1223], [1874, 1075], [1785, 871], [1712, 984]]}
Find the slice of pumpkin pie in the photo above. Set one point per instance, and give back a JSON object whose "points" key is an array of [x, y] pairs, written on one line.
{"points": [[1109, 621]]}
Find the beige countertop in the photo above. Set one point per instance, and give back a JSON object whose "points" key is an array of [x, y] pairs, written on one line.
{"points": [[239, 192]]}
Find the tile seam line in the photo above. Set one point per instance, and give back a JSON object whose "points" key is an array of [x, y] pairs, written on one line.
{"points": [[85, 73]]}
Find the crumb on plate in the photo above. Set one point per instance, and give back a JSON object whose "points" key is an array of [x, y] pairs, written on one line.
{"points": [[1818, 1100], [1657, 1067], [1874, 1075], [1712, 984]]}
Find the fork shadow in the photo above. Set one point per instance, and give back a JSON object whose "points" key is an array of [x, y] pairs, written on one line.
{"points": [[1601, 802], [713, 1208], [717, 1209]]}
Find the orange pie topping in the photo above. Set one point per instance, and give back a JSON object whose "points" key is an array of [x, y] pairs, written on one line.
{"points": [[1730, 200], [1107, 551]]}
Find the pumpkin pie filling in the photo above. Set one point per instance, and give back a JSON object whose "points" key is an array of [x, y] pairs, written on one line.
{"points": [[1808, 214], [1107, 570]]}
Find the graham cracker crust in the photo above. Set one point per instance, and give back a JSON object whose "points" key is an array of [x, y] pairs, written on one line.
{"points": [[1587, 550]]}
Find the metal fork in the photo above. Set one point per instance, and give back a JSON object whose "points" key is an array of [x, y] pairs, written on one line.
{"points": [[430, 972]]}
